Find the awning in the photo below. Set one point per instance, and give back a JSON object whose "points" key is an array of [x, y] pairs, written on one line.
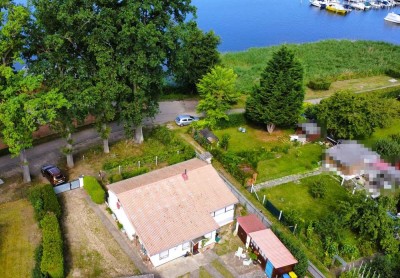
{"points": [[198, 239]]}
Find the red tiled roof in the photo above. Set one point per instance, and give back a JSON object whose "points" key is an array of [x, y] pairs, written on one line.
{"points": [[166, 210], [250, 223], [273, 248]]}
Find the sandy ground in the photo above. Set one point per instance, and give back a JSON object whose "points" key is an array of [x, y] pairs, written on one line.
{"points": [[91, 251]]}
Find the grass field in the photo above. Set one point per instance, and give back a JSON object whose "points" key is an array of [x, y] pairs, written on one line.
{"points": [[296, 196], [393, 128], [336, 59], [298, 160], [19, 237]]}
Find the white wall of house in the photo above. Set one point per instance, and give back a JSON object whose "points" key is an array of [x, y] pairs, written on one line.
{"points": [[224, 216], [171, 254], [120, 214]]}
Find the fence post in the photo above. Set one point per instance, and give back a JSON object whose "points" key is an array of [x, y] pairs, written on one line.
{"points": [[80, 181], [119, 169], [139, 163], [263, 200], [280, 215], [294, 230], [156, 160]]}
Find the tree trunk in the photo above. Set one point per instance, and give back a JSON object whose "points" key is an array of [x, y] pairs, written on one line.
{"points": [[139, 134], [68, 151], [25, 167], [270, 127], [105, 135]]}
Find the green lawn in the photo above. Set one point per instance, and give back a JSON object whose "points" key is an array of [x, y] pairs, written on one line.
{"points": [[204, 273], [393, 128], [253, 138], [298, 160], [296, 196], [19, 237]]}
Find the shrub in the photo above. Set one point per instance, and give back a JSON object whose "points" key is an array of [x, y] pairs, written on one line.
{"points": [[52, 260], [44, 199], [224, 141], [162, 134], [120, 226], [234, 120], [115, 178], [134, 173], [109, 210], [387, 148], [94, 189], [301, 268], [318, 189], [319, 84], [393, 72], [36, 272]]}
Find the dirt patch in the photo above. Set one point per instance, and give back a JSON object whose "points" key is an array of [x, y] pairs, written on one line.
{"points": [[276, 136], [91, 250], [14, 189]]}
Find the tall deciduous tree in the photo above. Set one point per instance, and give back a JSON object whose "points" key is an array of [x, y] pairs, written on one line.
{"points": [[278, 100], [113, 48], [196, 55], [218, 93], [346, 115]]}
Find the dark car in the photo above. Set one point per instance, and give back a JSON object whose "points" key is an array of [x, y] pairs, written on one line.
{"points": [[53, 174]]}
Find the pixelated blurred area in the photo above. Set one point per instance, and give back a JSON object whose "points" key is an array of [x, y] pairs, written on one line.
{"points": [[306, 132], [362, 166]]}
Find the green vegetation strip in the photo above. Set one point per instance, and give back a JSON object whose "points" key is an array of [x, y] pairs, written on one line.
{"points": [[221, 269], [334, 59], [17, 229], [203, 273], [94, 189]]}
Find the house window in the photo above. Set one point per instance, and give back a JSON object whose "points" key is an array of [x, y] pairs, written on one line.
{"points": [[229, 208], [186, 245], [164, 254]]}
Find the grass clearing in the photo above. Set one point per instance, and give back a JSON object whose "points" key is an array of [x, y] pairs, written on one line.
{"points": [[203, 273], [253, 138], [221, 269], [309, 208], [380, 133], [20, 235], [298, 160]]}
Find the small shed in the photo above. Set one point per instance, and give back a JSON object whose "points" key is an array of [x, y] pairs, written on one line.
{"points": [[273, 256], [209, 136], [246, 225]]}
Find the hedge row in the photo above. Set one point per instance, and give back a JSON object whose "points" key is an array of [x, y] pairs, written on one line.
{"points": [[44, 200], [301, 267], [319, 84], [234, 120], [52, 259], [94, 189]]}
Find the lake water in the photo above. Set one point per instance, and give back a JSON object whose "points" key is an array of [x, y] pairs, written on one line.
{"points": [[255, 23]]}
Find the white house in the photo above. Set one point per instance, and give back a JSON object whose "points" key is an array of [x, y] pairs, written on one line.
{"points": [[173, 210]]}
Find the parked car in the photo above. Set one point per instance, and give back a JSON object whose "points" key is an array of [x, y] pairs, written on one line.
{"points": [[53, 174], [182, 120]]}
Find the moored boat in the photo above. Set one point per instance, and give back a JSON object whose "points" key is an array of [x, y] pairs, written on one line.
{"points": [[393, 17], [318, 3], [336, 8]]}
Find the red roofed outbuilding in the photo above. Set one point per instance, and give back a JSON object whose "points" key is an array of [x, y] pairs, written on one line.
{"points": [[246, 225]]}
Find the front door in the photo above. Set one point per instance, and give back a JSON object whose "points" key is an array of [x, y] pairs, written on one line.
{"points": [[269, 269], [196, 248]]}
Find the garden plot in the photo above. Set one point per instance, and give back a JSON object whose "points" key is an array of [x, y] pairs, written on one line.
{"points": [[91, 250]]}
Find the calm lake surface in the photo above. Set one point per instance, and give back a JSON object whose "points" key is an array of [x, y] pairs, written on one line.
{"points": [[242, 24]]}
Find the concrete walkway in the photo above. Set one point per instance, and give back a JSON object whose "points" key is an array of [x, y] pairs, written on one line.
{"points": [[287, 179]]}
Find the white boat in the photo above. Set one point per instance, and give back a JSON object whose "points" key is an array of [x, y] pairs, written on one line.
{"points": [[393, 17], [318, 3], [357, 6], [375, 5]]}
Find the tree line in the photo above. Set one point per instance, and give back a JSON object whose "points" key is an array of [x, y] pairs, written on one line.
{"points": [[108, 59]]}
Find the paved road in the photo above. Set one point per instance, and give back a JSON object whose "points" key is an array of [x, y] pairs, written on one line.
{"points": [[49, 152]]}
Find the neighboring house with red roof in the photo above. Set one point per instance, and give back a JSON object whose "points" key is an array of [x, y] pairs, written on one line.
{"points": [[246, 225], [173, 210], [274, 257]]}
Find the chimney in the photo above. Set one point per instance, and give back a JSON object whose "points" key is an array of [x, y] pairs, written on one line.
{"points": [[185, 176]]}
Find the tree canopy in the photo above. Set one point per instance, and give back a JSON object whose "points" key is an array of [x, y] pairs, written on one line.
{"points": [[346, 115], [217, 94], [278, 100]]}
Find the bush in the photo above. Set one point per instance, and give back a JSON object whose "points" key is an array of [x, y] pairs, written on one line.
{"points": [[319, 84], [44, 199], [94, 189], [224, 141], [235, 120], [301, 267], [393, 72], [120, 226], [318, 189], [134, 173], [115, 178], [36, 272], [52, 259], [387, 148]]}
